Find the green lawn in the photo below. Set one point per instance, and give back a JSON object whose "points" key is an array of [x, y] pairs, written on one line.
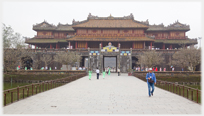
{"points": [[7, 85]]}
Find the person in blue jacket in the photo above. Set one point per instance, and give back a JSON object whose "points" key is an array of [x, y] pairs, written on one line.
{"points": [[152, 76]]}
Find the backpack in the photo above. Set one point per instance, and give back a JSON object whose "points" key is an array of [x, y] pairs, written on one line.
{"points": [[150, 80]]}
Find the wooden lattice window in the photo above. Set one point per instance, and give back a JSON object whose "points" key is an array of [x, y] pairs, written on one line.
{"points": [[94, 31]]}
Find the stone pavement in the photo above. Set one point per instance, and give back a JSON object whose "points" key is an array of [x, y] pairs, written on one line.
{"points": [[112, 95]]}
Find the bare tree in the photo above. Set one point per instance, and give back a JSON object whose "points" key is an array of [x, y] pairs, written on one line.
{"points": [[46, 58], [150, 58], [189, 57], [67, 58], [12, 57]]}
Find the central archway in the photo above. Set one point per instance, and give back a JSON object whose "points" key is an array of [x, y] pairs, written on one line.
{"points": [[110, 61]]}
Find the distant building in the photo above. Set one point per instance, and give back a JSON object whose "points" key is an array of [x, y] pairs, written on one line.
{"points": [[126, 31]]}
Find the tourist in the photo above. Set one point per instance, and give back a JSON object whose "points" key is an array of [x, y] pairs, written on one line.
{"points": [[146, 69], [80, 68], [46, 68], [104, 72], [118, 71], [172, 68], [55, 68], [134, 68], [160, 69], [156, 69], [108, 71], [182, 69], [97, 73], [152, 68], [90, 73], [164, 69], [151, 80], [84, 68]]}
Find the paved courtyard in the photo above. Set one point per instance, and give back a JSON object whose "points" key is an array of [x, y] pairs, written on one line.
{"points": [[112, 95]]}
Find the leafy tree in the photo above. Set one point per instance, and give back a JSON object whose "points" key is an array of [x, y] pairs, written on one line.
{"points": [[12, 39]]}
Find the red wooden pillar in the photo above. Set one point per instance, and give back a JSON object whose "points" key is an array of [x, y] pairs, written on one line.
{"points": [[56, 45], [150, 45], [69, 45], [163, 46], [35, 46], [76, 45], [101, 45], [86, 45], [50, 46], [133, 45]]}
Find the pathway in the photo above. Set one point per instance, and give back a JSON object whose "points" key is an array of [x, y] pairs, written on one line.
{"points": [[112, 95]]}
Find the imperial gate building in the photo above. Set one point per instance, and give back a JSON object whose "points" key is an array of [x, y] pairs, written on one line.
{"points": [[97, 39]]}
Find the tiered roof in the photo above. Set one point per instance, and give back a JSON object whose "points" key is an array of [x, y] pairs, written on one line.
{"points": [[177, 41], [66, 27], [110, 22], [35, 40], [175, 26], [46, 26]]}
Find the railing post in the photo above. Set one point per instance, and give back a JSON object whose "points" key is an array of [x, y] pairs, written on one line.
{"points": [[11, 97], [43, 86], [18, 93], [187, 93], [192, 94], [23, 93], [36, 89], [173, 87], [28, 92], [39, 88], [32, 89], [179, 90], [4, 99], [183, 91], [170, 87], [176, 89], [197, 95]]}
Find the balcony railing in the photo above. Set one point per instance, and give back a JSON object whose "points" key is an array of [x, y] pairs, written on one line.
{"points": [[111, 35], [44, 36]]}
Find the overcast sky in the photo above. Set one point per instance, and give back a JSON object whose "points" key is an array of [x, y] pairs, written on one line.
{"points": [[22, 15]]}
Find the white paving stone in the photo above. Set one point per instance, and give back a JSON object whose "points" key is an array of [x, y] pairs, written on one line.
{"points": [[112, 95]]}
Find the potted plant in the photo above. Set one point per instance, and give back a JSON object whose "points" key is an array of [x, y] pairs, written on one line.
{"points": [[129, 72]]}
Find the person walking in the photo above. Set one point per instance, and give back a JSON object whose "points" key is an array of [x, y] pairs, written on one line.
{"points": [[151, 81], [90, 74], [97, 72], [108, 71], [104, 72], [118, 71]]}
